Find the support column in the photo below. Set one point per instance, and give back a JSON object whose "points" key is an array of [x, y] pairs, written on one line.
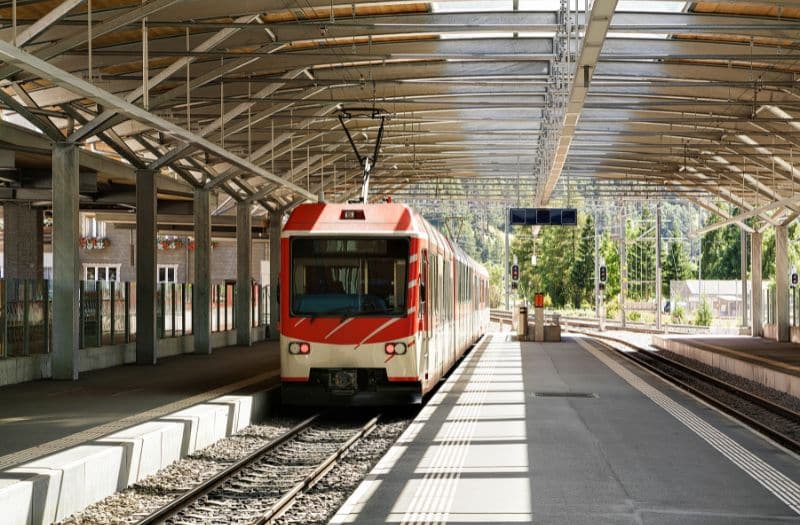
{"points": [[623, 268], [506, 282], [755, 276], [66, 265], [782, 282], [23, 242], [275, 223], [596, 269], [743, 274], [659, 307], [201, 300], [146, 278], [244, 288]]}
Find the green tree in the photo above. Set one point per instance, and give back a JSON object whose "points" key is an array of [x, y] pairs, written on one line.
{"points": [[702, 316], [720, 254], [609, 251], [641, 255], [676, 264], [582, 272]]}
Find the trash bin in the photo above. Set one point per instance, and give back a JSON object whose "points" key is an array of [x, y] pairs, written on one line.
{"points": [[522, 322]]}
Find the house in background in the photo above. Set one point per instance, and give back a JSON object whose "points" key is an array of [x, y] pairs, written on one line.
{"points": [[724, 297]]}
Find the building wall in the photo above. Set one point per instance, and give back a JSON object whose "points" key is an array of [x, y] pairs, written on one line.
{"points": [[123, 248]]}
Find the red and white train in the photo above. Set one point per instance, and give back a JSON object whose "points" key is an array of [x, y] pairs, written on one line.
{"points": [[376, 305]]}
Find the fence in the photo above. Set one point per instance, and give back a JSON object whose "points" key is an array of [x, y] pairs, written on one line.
{"points": [[107, 312], [769, 308]]}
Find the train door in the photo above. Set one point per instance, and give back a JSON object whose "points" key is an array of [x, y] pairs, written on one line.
{"points": [[423, 315]]}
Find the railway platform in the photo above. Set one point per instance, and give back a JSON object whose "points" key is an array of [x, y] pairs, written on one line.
{"points": [[65, 445], [567, 433], [770, 363]]}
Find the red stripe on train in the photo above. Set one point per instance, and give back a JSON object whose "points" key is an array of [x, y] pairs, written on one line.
{"points": [[400, 379], [294, 379]]}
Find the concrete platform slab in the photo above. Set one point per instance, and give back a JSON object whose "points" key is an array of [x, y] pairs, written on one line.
{"points": [[583, 439], [775, 365], [50, 481]]}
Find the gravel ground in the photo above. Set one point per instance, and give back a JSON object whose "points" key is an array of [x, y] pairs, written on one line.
{"points": [[149, 494], [324, 499], [776, 396]]}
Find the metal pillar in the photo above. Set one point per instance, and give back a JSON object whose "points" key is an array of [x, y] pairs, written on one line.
{"points": [[275, 223], [658, 267], [244, 288], [596, 269], [623, 267], [146, 278], [507, 285], [743, 274], [782, 282], [201, 300], [23, 241], [755, 271], [66, 264]]}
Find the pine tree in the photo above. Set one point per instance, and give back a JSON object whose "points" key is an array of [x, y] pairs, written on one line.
{"points": [[720, 251], [582, 271], [676, 265]]}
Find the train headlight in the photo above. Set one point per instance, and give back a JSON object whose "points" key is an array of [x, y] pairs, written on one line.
{"points": [[395, 348], [297, 348]]}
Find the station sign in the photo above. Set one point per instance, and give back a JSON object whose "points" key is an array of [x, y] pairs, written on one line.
{"points": [[543, 216]]}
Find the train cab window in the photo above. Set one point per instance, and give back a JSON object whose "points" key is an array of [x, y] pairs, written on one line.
{"points": [[349, 277]]}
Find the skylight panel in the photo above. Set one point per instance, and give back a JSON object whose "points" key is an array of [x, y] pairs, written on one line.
{"points": [[472, 6]]}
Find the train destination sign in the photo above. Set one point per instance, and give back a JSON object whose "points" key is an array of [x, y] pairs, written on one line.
{"points": [[543, 216]]}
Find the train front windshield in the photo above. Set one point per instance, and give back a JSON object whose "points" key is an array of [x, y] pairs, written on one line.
{"points": [[349, 277]]}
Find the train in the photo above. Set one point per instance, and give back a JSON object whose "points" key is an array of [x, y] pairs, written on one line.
{"points": [[376, 305]]}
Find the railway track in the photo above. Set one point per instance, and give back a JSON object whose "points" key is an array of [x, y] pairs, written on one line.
{"points": [[264, 484], [588, 322], [775, 421]]}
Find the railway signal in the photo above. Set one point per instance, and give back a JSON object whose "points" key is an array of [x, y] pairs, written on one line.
{"points": [[515, 272], [603, 274], [793, 279]]}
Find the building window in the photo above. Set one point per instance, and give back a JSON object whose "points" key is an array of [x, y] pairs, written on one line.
{"points": [[167, 273], [91, 227], [101, 272]]}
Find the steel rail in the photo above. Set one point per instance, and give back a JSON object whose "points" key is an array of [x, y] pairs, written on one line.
{"points": [[288, 499], [184, 501]]}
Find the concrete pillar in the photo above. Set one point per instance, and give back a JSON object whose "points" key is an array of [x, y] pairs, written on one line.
{"points": [[743, 274], [275, 223], [782, 282], [623, 267], [201, 301], [146, 278], [23, 241], [66, 264], [755, 275], [659, 308], [244, 288]]}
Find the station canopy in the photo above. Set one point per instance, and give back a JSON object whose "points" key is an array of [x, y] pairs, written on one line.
{"points": [[502, 99]]}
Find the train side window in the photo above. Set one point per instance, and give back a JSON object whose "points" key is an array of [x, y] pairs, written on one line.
{"points": [[423, 278]]}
